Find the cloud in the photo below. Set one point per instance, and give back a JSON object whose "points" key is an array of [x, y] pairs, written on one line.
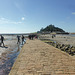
{"points": [[7, 21], [73, 13], [23, 18]]}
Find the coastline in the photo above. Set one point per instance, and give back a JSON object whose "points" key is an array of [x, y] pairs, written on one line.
{"points": [[12, 48], [62, 39], [65, 43], [8, 54]]}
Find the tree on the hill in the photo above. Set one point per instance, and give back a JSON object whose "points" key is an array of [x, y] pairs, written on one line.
{"points": [[51, 28]]}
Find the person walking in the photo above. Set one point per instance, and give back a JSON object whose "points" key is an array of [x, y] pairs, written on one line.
{"points": [[22, 39], [18, 39], [2, 39]]}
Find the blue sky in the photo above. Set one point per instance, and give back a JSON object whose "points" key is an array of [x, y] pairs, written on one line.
{"points": [[24, 16]]}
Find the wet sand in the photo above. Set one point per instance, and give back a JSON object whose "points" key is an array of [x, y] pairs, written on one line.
{"points": [[8, 54], [10, 43], [63, 39]]}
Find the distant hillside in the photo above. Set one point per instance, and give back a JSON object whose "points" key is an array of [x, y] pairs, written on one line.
{"points": [[51, 28]]}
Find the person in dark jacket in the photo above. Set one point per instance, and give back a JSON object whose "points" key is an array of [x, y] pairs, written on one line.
{"points": [[2, 39], [22, 39], [18, 39]]}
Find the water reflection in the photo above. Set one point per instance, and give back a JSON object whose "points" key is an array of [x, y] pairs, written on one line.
{"points": [[7, 60]]}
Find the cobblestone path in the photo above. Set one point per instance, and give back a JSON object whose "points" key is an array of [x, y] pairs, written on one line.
{"points": [[39, 58]]}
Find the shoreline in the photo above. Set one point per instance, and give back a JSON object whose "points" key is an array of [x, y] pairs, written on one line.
{"points": [[7, 60], [62, 42], [8, 54], [62, 39]]}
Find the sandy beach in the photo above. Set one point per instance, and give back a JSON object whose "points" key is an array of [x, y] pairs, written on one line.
{"points": [[62, 39]]}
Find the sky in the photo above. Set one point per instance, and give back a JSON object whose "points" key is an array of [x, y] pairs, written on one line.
{"points": [[26, 16]]}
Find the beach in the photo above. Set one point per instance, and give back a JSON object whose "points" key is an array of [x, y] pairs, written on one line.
{"points": [[9, 53], [39, 58], [62, 39], [10, 43]]}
